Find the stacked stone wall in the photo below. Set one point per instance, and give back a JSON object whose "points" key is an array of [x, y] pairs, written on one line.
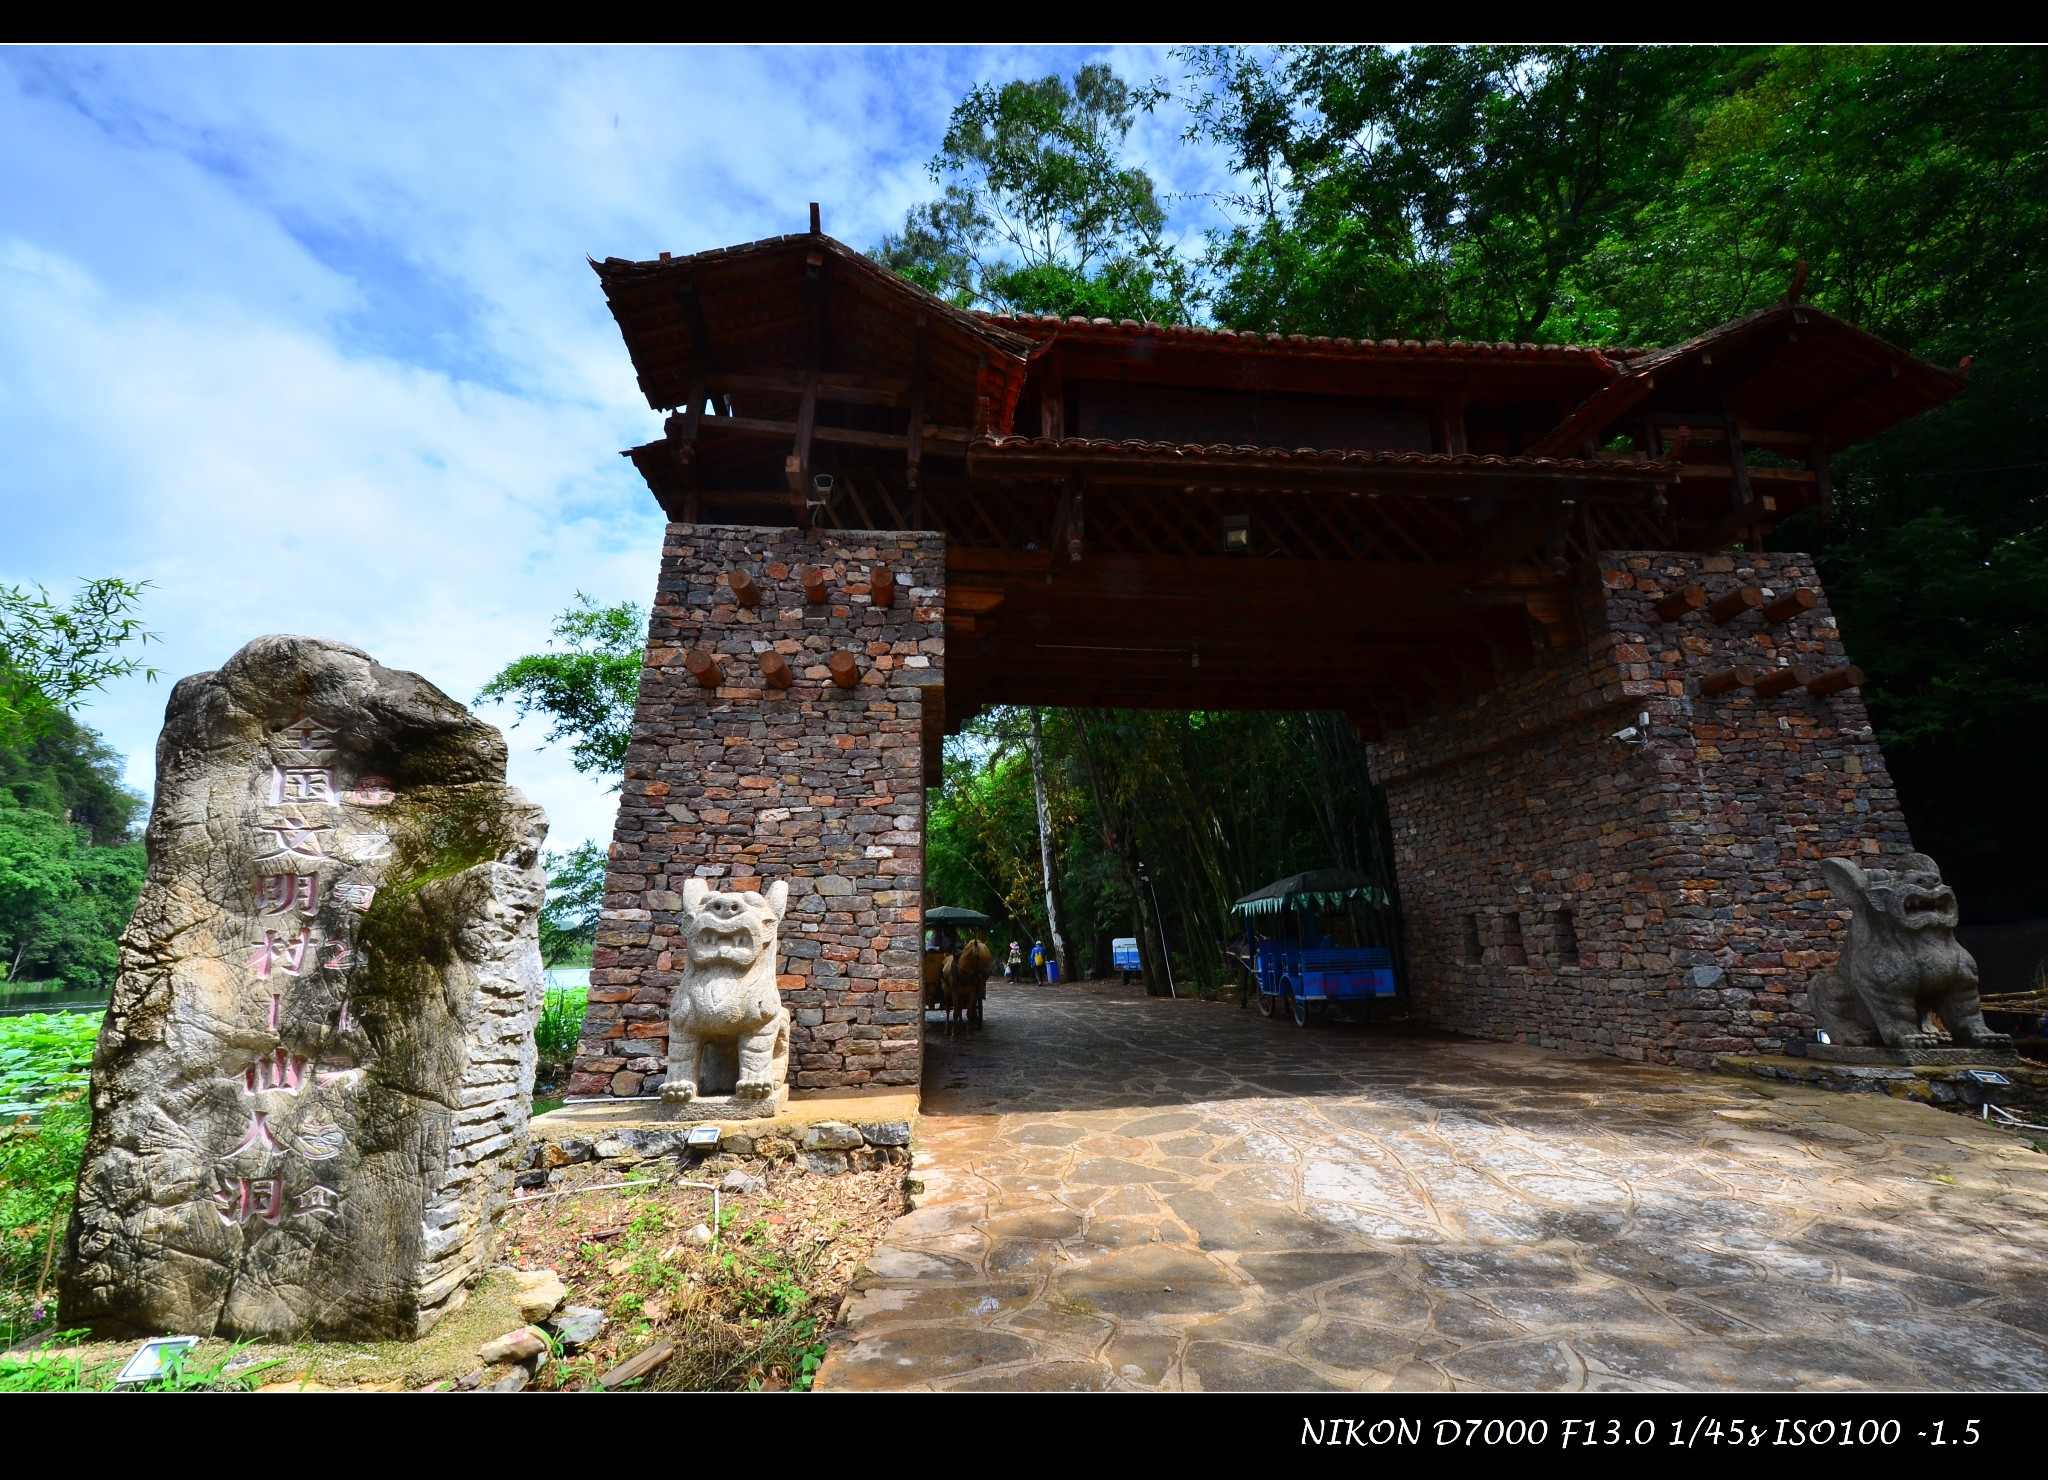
{"points": [[1655, 900], [745, 783]]}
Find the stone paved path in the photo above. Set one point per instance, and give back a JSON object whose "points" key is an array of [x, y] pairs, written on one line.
{"points": [[1128, 1193]]}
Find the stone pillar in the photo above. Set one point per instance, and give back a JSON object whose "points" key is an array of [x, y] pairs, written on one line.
{"points": [[1658, 900], [743, 783], [311, 1089]]}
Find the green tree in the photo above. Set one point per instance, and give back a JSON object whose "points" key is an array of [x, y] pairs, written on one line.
{"points": [[51, 656], [68, 771], [568, 921], [1430, 192], [1040, 213], [588, 689]]}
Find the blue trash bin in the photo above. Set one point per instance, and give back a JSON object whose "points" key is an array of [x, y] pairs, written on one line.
{"points": [[1052, 968]]}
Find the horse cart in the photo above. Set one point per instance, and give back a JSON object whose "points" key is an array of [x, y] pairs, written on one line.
{"points": [[943, 945], [1292, 964]]}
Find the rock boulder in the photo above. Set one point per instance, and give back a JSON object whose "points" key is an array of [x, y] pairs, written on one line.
{"points": [[310, 1093]]}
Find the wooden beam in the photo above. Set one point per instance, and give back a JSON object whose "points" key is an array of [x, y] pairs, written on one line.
{"points": [[813, 582], [1514, 535], [1678, 603], [1835, 680], [1792, 604], [1725, 680], [703, 667], [1062, 512], [882, 586], [1775, 681], [775, 669], [1727, 608], [1618, 481], [744, 591], [913, 443], [838, 386], [845, 669]]}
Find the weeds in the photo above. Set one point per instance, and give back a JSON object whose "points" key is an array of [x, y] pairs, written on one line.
{"points": [[45, 1066], [52, 1370]]}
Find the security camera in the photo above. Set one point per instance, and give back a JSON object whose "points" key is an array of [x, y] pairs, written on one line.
{"points": [[1627, 736]]}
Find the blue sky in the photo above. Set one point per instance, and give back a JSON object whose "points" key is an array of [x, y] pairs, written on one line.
{"points": [[306, 339]]}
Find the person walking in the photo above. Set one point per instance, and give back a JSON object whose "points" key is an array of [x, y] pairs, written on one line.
{"points": [[1014, 966], [1038, 961]]}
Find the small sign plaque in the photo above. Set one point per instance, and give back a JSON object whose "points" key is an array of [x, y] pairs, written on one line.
{"points": [[153, 1358]]}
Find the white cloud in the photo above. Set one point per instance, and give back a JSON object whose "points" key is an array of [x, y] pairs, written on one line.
{"points": [[305, 337]]}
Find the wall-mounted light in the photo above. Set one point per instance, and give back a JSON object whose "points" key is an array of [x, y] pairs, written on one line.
{"points": [[821, 491], [1237, 533]]}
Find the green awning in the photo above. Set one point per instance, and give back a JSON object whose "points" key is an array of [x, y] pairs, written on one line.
{"points": [[1318, 889]]}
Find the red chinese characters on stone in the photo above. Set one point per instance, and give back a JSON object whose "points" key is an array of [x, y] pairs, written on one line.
{"points": [[279, 1069], [257, 1137], [373, 791], [293, 785], [280, 954], [241, 1200], [282, 894], [294, 837], [309, 733]]}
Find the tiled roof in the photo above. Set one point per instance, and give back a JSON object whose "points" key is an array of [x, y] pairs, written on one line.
{"points": [[1045, 326]]}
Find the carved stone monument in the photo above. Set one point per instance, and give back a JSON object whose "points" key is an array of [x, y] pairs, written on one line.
{"points": [[728, 1032], [1901, 966], [311, 1088]]}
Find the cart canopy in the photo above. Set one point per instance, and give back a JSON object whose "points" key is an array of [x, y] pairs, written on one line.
{"points": [[947, 914], [1319, 889]]}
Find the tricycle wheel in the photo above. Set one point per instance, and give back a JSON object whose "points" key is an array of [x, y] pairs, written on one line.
{"points": [[1299, 1007], [1266, 1004]]}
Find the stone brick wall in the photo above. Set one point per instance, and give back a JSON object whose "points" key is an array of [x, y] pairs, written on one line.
{"points": [[745, 783], [1655, 902]]}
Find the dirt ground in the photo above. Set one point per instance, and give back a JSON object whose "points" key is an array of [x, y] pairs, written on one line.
{"points": [[749, 1310]]}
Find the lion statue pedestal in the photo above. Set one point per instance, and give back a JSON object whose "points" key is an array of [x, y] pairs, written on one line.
{"points": [[1900, 969], [728, 1032]]}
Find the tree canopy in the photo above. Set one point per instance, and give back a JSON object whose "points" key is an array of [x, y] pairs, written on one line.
{"points": [[1622, 196], [588, 689], [70, 869]]}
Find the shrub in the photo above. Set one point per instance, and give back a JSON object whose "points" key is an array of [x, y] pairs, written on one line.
{"points": [[559, 1027]]}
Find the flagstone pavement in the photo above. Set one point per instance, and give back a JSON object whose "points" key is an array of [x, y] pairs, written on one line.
{"points": [[1123, 1192]]}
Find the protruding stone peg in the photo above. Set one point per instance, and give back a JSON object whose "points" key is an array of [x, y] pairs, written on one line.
{"points": [[1848, 676], [1735, 603], [845, 669], [814, 587], [703, 667], [1775, 681], [744, 591], [882, 586], [776, 671], [1678, 603], [1725, 681], [1791, 604]]}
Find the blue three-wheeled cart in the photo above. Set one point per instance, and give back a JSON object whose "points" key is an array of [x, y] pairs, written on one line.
{"points": [[1294, 966]]}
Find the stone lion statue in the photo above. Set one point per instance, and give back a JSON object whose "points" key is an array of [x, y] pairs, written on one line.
{"points": [[1901, 963], [728, 1032]]}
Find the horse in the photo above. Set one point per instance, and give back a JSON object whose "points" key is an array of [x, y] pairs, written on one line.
{"points": [[965, 980]]}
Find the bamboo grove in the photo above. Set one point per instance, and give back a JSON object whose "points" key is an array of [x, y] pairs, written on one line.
{"points": [[1211, 804]]}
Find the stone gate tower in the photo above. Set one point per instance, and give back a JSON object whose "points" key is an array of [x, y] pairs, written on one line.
{"points": [[1616, 729]]}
